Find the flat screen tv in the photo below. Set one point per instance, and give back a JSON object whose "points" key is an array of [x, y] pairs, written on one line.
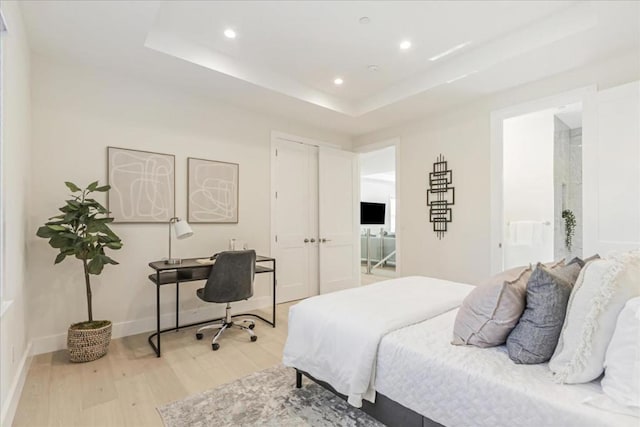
{"points": [[372, 213]]}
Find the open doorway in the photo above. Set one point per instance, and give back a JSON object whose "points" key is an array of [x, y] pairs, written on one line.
{"points": [[542, 185], [378, 248]]}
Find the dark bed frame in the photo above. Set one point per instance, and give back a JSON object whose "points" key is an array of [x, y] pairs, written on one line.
{"points": [[385, 410]]}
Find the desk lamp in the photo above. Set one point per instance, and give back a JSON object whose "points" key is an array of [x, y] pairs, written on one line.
{"points": [[182, 230]]}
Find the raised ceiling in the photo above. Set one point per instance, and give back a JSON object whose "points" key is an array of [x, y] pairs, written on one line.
{"points": [[287, 54]]}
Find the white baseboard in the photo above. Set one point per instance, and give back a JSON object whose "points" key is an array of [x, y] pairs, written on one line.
{"points": [[132, 327], [15, 390]]}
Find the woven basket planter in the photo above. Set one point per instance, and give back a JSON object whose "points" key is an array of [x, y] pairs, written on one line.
{"points": [[85, 345]]}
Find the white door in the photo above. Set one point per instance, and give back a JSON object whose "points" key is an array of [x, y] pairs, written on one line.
{"points": [[611, 170], [339, 230], [294, 218]]}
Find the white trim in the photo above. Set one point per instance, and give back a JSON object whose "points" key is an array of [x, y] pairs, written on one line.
{"points": [[302, 140], [374, 146], [4, 307], [379, 145], [15, 390], [3, 23], [583, 95], [133, 327]]}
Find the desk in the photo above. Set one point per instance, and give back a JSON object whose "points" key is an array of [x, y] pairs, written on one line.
{"points": [[191, 270]]}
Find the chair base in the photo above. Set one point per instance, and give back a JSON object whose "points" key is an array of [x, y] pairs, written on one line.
{"points": [[246, 325]]}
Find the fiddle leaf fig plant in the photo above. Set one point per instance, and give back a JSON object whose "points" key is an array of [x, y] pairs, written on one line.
{"points": [[81, 231]]}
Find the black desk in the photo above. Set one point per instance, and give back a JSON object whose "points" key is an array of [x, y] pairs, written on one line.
{"points": [[191, 270]]}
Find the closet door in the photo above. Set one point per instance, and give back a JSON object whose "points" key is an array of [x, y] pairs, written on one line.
{"points": [[339, 229], [611, 170], [294, 218]]}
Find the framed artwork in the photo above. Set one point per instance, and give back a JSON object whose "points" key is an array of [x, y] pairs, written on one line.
{"points": [[212, 189], [142, 186]]}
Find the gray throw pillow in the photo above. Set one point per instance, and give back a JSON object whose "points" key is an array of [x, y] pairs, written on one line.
{"points": [[536, 335], [491, 310]]}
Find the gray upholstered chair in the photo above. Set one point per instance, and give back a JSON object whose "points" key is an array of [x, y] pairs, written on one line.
{"points": [[230, 280]]}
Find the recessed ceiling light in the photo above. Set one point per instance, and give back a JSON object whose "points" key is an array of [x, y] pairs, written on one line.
{"points": [[405, 44], [364, 20], [230, 33], [338, 81], [449, 51], [373, 67]]}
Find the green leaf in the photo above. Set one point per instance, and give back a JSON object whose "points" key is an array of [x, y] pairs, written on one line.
{"points": [[96, 265], [60, 258], [93, 186], [60, 242], [114, 245], [74, 188], [45, 232], [57, 227], [103, 188]]}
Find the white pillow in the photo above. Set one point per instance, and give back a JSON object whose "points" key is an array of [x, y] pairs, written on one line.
{"points": [[600, 292], [621, 380]]}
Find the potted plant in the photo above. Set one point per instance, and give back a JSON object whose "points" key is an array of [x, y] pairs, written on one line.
{"points": [[81, 231], [569, 227]]}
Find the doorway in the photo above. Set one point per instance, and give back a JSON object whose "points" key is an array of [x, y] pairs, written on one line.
{"points": [[542, 185], [378, 207]]}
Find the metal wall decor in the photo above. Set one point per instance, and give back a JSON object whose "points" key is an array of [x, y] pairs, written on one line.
{"points": [[440, 196]]}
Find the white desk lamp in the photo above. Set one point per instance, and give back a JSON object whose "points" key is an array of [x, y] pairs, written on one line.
{"points": [[182, 230]]}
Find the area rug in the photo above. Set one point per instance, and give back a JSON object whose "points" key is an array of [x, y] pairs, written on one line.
{"points": [[267, 398]]}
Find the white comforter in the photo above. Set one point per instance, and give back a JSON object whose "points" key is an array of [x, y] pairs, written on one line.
{"points": [[335, 337]]}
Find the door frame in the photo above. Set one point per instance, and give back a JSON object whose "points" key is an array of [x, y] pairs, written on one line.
{"points": [[585, 95], [379, 145]]}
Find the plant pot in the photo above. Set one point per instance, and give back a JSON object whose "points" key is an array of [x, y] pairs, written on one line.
{"points": [[87, 341]]}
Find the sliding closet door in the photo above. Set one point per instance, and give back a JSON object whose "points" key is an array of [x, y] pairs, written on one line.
{"points": [[611, 170], [339, 229]]}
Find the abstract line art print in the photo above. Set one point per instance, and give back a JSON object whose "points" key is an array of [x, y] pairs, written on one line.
{"points": [[142, 185], [440, 196], [213, 191]]}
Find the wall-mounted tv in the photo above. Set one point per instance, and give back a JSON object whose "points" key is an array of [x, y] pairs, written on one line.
{"points": [[372, 213]]}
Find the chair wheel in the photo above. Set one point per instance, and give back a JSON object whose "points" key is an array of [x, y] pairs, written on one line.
{"points": [[215, 346], [251, 326], [199, 336], [254, 338]]}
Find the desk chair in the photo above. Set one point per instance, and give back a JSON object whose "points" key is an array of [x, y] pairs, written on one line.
{"points": [[230, 280]]}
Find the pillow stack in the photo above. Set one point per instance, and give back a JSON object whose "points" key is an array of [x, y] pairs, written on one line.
{"points": [[492, 309], [534, 338], [601, 291]]}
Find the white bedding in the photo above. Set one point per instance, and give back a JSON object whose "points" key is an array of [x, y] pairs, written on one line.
{"points": [[469, 386], [335, 337]]}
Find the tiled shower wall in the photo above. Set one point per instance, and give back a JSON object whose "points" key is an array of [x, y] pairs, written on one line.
{"points": [[567, 186]]}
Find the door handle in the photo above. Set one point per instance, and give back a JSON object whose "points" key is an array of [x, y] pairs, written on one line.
{"points": [[325, 240], [313, 240], [306, 240]]}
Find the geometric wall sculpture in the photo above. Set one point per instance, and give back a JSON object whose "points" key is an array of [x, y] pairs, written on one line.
{"points": [[142, 185], [440, 196]]}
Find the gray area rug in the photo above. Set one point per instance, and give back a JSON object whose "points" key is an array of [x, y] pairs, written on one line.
{"points": [[266, 398]]}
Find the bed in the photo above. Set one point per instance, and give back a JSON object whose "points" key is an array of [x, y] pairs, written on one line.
{"points": [[417, 377]]}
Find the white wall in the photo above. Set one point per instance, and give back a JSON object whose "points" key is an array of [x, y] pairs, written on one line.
{"points": [[528, 183], [463, 136], [15, 192], [77, 113]]}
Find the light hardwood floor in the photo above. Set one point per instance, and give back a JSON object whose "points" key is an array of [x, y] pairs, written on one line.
{"points": [[124, 387]]}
